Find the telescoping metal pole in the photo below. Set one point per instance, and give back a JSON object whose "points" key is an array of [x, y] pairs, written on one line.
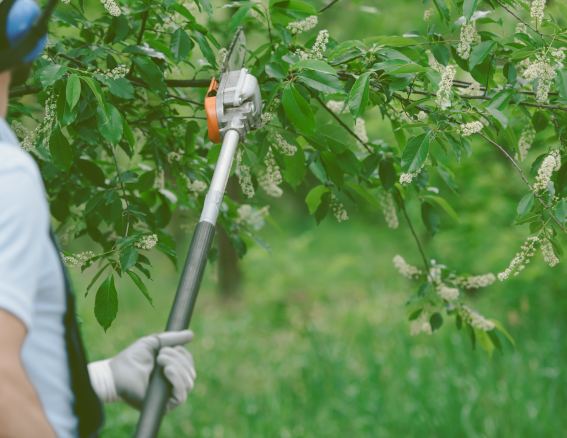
{"points": [[180, 316]]}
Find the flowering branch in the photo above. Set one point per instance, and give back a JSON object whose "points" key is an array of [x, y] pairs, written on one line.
{"points": [[518, 18], [415, 236], [123, 191], [524, 178]]}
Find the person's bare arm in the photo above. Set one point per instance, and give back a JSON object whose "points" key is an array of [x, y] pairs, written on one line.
{"points": [[21, 414]]}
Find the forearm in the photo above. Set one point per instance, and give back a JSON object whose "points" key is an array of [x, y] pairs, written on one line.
{"points": [[21, 414]]}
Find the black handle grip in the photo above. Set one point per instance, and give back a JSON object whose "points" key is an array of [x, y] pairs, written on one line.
{"points": [[179, 318]]}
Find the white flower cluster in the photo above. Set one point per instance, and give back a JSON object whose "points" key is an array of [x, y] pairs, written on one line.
{"points": [[473, 90], [550, 163], [406, 269], [467, 129], [267, 117], [476, 281], [244, 177], [248, 215], [302, 26], [448, 293], [476, 319], [536, 12], [541, 69], [336, 106], [428, 14], [526, 140], [548, 254], [421, 324], [111, 7], [422, 116], [388, 208], [66, 1], [396, 115], [284, 146], [528, 250], [76, 259], [318, 48], [196, 186], [272, 178], [116, 73], [408, 177], [469, 37], [30, 139], [521, 28], [338, 209], [435, 65], [173, 156], [444, 93], [159, 182], [148, 242], [360, 131]]}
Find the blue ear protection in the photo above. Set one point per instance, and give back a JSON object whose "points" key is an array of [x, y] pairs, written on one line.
{"points": [[23, 31]]}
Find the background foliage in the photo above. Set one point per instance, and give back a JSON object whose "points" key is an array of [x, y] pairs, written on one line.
{"points": [[315, 355]]}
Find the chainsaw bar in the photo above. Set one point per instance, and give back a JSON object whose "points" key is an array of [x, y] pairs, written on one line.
{"points": [[234, 59]]}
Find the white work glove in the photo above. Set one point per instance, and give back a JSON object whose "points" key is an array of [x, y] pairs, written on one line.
{"points": [[125, 377]]}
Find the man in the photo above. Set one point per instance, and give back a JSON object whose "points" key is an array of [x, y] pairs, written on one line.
{"points": [[45, 388]]}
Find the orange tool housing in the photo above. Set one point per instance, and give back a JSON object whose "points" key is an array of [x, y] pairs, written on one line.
{"points": [[211, 110]]}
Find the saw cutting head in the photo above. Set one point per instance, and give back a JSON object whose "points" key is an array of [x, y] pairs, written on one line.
{"points": [[235, 103]]}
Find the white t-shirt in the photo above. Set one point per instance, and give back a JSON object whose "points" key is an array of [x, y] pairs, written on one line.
{"points": [[31, 281]]}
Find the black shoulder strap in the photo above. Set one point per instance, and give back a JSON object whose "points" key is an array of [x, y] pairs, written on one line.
{"points": [[87, 407]]}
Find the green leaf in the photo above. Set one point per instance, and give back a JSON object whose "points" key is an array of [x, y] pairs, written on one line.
{"points": [[436, 321], [106, 303], [94, 201], [364, 193], [526, 204], [95, 278], [387, 174], [151, 75], [448, 177], [494, 338], [140, 285], [113, 129], [445, 206], [285, 12], [206, 5], [358, 96], [557, 249], [540, 120], [295, 168], [332, 168], [51, 74], [561, 211], [127, 132], [561, 79], [73, 90], [334, 136], [61, 151], [205, 48], [183, 11], [165, 249], [321, 81], [99, 95], [180, 45], [500, 119], [500, 327], [313, 198], [92, 171], [275, 70], [238, 16], [501, 99], [409, 68], [315, 65], [469, 6], [443, 10], [480, 52], [298, 110], [349, 163], [485, 342], [128, 257], [415, 153]]}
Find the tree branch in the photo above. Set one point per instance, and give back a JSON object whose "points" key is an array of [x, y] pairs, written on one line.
{"points": [[518, 18], [173, 96], [327, 6], [415, 237], [524, 178], [343, 124], [123, 192]]}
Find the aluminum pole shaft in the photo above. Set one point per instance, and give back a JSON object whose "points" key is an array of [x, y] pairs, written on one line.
{"points": [[159, 388]]}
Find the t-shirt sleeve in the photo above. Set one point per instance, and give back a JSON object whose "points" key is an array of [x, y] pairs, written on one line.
{"points": [[24, 220]]}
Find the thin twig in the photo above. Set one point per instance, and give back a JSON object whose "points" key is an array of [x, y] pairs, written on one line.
{"points": [[557, 126], [535, 30], [523, 177], [123, 191], [139, 39], [343, 124], [327, 6], [415, 237], [173, 96]]}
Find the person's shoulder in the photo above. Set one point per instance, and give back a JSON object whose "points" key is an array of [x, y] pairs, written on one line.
{"points": [[15, 160]]}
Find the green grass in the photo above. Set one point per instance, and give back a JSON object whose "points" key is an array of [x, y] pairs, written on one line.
{"points": [[318, 346]]}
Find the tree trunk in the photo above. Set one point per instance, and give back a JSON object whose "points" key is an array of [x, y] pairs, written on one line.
{"points": [[228, 269]]}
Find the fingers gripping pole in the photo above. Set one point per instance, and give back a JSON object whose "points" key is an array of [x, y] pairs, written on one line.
{"points": [[159, 389]]}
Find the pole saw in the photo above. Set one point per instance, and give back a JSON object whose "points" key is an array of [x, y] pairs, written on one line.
{"points": [[232, 113]]}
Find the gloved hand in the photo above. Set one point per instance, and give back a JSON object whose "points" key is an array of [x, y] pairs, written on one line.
{"points": [[130, 370]]}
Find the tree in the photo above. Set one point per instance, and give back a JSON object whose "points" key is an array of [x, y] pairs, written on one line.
{"points": [[105, 87]]}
